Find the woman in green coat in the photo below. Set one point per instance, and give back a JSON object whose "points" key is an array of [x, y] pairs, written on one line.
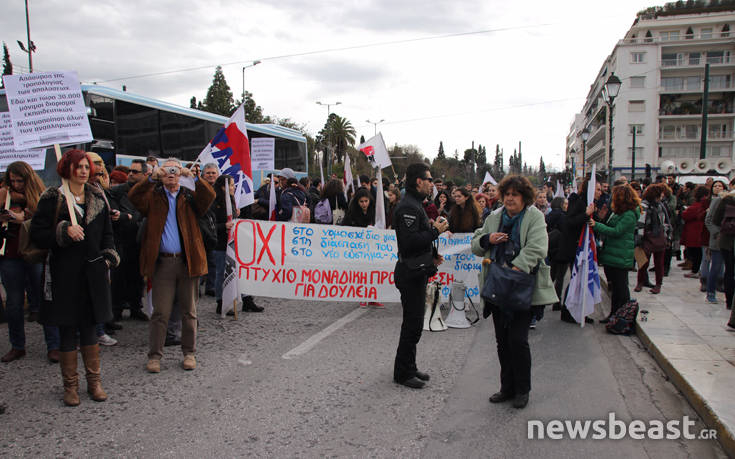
{"points": [[618, 237], [518, 230]]}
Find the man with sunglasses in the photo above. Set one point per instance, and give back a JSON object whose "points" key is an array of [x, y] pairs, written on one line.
{"points": [[172, 253], [127, 283], [417, 262]]}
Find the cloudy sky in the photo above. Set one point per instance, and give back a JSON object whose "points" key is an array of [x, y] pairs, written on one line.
{"points": [[495, 73]]}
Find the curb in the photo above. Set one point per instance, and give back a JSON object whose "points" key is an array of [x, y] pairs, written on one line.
{"points": [[700, 405]]}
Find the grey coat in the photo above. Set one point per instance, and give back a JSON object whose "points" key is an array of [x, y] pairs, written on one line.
{"points": [[714, 230]]}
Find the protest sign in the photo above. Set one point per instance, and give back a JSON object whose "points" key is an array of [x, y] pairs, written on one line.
{"points": [[336, 263], [46, 109], [8, 154], [263, 153]]}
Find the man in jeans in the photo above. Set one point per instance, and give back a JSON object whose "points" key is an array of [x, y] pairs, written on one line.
{"points": [[172, 253]]}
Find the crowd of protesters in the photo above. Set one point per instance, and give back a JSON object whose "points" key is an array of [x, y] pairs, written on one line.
{"points": [[140, 223]]}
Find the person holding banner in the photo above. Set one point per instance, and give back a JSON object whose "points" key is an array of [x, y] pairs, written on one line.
{"points": [[77, 292], [361, 211], [417, 262], [21, 190], [518, 233], [172, 253]]}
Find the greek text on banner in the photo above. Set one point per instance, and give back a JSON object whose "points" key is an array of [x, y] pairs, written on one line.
{"points": [[336, 263]]}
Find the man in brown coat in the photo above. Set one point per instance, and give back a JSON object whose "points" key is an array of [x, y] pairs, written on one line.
{"points": [[172, 252]]}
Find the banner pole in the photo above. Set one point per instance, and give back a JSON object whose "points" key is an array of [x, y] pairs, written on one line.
{"points": [[65, 189]]}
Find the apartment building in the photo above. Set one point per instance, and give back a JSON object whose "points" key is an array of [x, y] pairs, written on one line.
{"points": [[661, 64]]}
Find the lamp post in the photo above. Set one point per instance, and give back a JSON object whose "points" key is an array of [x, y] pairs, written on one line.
{"points": [[585, 136], [375, 125], [329, 143], [609, 93], [31, 46], [243, 78]]}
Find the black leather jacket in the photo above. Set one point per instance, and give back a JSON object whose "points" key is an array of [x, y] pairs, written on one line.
{"points": [[414, 233]]}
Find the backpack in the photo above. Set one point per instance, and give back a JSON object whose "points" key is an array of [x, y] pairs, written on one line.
{"points": [[300, 213], [323, 212], [623, 321], [727, 225]]}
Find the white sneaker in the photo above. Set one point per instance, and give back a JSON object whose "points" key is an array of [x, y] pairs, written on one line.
{"points": [[106, 340]]}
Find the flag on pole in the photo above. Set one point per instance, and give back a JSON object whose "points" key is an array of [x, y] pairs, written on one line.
{"points": [[379, 202], [348, 180], [321, 169], [489, 178], [584, 285], [230, 150], [272, 199], [559, 190], [230, 287], [375, 151]]}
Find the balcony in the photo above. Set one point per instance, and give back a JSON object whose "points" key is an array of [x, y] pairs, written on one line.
{"points": [[672, 106], [689, 61]]}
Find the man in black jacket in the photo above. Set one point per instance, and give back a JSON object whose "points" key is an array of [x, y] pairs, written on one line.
{"points": [[127, 283], [417, 261]]}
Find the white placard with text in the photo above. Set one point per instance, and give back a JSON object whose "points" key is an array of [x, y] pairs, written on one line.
{"points": [[262, 154], [8, 154]]}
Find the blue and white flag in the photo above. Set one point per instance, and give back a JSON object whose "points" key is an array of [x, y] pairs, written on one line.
{"points": [[230, 150], [584, 285]]}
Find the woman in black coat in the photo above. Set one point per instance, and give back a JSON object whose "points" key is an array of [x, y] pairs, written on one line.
{"points": [[361, 211], [578, 214], [76, 289]]}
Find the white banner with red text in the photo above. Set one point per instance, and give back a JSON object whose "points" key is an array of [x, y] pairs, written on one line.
{"points": [[337, 263]]}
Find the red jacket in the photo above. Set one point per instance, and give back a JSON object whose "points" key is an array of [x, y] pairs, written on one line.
{"points": [[694, 233]]}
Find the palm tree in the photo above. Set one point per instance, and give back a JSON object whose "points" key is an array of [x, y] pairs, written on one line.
{"points": [[340, 134]]}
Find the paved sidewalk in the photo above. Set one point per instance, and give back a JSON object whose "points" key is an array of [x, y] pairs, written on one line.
{"points": [[691, 342]]}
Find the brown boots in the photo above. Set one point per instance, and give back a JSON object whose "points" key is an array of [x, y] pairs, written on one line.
{"points": [[91, 358], [68, 361]]}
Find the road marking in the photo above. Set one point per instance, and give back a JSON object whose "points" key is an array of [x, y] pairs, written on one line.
{"points": [[307, 345]]}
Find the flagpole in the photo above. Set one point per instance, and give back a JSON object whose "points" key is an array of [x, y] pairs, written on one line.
{"points": [[585, 273]]}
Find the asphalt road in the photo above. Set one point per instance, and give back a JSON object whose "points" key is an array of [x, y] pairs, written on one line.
{"points": [[308, 379]]}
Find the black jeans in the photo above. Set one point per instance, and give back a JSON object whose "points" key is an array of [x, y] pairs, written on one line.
{"points": [[513, 351], [87, 337], [413, 296], [729, 280], [617, 279]]}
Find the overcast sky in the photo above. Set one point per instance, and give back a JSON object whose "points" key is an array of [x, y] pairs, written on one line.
{"points": [[521, 82]]}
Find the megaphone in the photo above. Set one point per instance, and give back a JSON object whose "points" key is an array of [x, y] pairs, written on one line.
{"points": [[433, 320], [457, 317], [668, 167], [723, 166], [686, 166], [702, 166]]}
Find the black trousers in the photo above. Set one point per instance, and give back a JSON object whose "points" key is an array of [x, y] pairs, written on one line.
{"points": [[729, 280], [558, 272], [514, 352], [127, 283], [85, 333], [695, 255], [412, 286], [617, 279]]}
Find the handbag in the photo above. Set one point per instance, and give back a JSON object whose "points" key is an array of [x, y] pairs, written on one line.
{"points": [[506, 288], [654, 243]]}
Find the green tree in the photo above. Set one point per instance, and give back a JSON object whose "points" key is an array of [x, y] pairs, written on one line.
{"points": [[219, 97], [542, 170], [362, 139], [441, 155], [337, 133], [7, 65], [193, 102]]}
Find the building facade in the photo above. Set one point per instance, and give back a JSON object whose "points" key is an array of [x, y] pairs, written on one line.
{"points": [[661, 64]]}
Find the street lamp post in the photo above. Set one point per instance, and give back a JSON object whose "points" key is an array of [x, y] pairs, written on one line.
{"points": [[609, 93], [585, 136], [329, 143], [375, 125], [31, 46], [243, 78]]}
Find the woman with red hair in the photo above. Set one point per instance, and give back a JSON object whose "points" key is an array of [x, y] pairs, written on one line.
{"points": [[76, 289]]}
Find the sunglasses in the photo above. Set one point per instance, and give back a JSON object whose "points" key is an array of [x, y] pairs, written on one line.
{"points": [[132, 171]]}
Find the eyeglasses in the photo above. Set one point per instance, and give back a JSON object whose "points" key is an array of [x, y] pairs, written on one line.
{"points": [[428, 179]]}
